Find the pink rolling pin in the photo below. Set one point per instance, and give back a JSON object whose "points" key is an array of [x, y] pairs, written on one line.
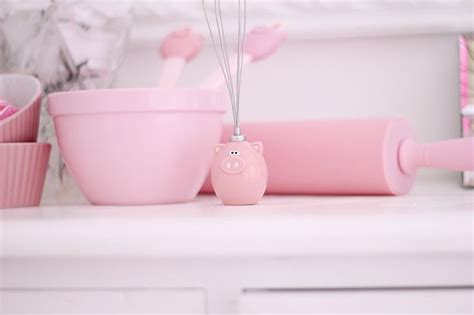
{"points": [[178, 48], [350, 157], [260, 43]]}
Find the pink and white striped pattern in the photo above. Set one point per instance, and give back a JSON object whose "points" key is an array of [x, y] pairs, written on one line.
{"points": [[23, 169]]}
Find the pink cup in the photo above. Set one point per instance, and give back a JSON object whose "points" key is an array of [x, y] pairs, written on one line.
{"points": [[23, 92], [23, 169], [138, 146]]}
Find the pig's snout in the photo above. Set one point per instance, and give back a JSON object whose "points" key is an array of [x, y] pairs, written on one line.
{"points": [[233, 165]]}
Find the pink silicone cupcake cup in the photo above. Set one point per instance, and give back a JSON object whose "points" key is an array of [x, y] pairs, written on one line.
{"points": [[23, 169], [24, 92], [138, 146]]}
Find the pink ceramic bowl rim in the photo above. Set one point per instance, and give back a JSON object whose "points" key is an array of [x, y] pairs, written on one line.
{"points": [[22, 107], [136, 100]]}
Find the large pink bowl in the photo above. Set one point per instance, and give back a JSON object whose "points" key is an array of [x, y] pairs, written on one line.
{"points": [[138, 146], [21, 91]]}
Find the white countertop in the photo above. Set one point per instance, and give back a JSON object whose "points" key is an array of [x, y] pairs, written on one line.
{"points": [[437, 217]]}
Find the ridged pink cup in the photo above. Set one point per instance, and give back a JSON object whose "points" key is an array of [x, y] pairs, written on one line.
{"points": [[138, 146], [23, 169], [24, 92]]}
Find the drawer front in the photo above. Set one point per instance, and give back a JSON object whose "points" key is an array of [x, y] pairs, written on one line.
{"points": [[427, 301], [139, 301]]}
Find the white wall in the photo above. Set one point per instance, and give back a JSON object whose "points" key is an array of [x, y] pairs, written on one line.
{"points": [[411, 76]]}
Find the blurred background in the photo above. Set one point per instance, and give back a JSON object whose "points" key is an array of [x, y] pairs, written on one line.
{"points": [[342, 58]]}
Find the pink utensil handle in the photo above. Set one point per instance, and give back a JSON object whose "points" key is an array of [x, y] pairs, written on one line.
{"points": [[260, 43], [7, 111], [455, 155], [216, 80], [178, 48], [172, 68]]}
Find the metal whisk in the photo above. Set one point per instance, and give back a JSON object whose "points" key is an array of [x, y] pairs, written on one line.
{"points": [[219, 43]]}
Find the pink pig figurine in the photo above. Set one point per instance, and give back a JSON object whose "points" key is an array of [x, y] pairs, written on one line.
{"points": [[239, 173]]}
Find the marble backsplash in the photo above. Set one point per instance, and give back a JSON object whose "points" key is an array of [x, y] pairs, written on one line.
{"points": [[68, 46]]}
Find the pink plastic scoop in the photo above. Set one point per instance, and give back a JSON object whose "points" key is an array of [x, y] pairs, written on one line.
{"points": [[350, 157], [6, 110], [178, 48], [260, 43]]}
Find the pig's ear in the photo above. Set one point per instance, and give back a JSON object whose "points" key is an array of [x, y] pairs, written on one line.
{"points": [[258, 146], [219, 147]]}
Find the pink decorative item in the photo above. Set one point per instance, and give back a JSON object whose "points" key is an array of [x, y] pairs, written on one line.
{"points": [[350, 157], [23, 92], [464, 59], [178, 48], [23, 169], [260, 43], [263, 41], [466, 82], [239, 173], [138, 146], [6, 110]]}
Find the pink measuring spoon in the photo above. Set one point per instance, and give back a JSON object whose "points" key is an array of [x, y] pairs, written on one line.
{"points": [[178, 48], [260, 43]]}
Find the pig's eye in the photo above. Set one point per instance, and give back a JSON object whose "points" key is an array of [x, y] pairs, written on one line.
{"points": [[234, 153]]}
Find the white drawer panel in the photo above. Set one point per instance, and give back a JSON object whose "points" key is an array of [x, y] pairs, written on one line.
{"points": [[125, 301], [430, 301]]}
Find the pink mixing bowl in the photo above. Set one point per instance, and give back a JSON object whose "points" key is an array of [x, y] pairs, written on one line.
{"points": [[138, 146], [24, 92], [23, 169]]}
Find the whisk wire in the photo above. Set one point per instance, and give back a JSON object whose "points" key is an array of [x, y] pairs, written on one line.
{"points": [[218, 52], [220, 47], [241, 56], [225, 55]]}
